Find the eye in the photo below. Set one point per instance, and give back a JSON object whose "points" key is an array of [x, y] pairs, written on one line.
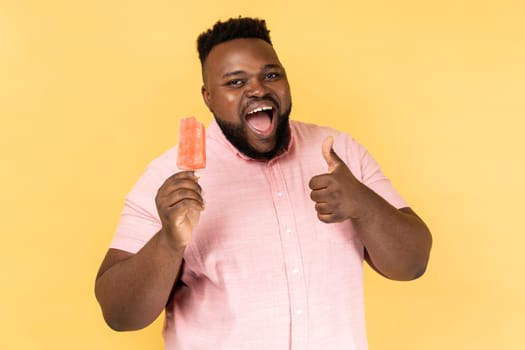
{"points": [[235, 82], [271, 76]]}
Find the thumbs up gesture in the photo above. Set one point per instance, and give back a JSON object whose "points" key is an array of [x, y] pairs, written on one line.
{"points": [[337, 194]]}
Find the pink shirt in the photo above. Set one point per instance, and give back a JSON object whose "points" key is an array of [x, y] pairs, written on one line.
{"points": [[261, 271]]}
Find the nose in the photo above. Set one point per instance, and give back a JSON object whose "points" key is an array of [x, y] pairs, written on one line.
{"points": [[255, 88]]}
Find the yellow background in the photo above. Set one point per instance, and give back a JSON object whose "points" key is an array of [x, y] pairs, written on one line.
{"points": [[91, 91]]}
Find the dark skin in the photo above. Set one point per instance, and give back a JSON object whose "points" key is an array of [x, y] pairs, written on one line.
{"points": [[397, 242], [133, 289], [241, 75]]}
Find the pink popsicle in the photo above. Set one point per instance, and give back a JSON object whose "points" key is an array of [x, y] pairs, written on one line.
{"points": [[192, 145]]}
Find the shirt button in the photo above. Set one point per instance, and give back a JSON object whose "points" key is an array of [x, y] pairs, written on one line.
{"points": [[295, 271], [288, 230], [299, 312], [279, 194]]}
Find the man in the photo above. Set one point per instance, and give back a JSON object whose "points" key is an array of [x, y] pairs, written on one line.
{"points": [[264, 248]]}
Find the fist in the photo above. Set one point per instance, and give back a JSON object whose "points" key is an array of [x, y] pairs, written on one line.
{"points": [[336, 193], [179, 203]]}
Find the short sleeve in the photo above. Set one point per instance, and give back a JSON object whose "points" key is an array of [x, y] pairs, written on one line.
{"points": [[139, 220], [368, 171]]}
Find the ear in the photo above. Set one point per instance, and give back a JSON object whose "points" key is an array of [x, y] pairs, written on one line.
{"points": [[206, 96]]}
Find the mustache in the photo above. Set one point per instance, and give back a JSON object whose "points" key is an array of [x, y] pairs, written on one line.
{"points": [[254, 100]]}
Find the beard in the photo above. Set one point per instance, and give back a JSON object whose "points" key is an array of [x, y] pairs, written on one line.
{"points": [[236, 135]]}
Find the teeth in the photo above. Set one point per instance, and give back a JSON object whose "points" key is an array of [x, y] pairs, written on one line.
{"points": [[260, 109]]}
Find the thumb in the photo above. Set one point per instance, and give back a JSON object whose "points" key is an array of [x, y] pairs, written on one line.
{"points": [[329, 155]]}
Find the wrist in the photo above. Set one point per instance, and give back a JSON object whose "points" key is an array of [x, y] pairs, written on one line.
{"points": [[170, 240], [364, 199]]}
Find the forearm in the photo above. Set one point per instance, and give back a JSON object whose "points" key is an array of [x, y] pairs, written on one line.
{"points": [[134, 291], [397, 242]]}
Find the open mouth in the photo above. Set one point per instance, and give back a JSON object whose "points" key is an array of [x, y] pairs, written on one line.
{"points": [[260, 120]]}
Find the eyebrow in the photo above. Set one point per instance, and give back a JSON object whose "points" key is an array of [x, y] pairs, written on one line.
{"points": [[239, 72]]}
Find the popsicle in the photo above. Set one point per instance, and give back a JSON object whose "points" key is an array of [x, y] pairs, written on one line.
{"points": [[192, 145]]}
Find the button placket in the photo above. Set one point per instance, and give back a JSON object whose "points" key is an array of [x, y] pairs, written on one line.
{"points": [[292, 256]]}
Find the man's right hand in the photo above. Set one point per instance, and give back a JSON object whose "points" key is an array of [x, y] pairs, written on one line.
{"points": [[133, 288], [179, 203]]}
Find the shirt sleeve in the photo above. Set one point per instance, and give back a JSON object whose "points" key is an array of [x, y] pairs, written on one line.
{"points": [[368, 171], [139, 220]]}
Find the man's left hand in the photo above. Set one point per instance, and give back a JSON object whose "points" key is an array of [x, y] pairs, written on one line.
{"points": [[338, 195]]}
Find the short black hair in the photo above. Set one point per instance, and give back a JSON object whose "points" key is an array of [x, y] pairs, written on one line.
{"points": [[234, 28]]}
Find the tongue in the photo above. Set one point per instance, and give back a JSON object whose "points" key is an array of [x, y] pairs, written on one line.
{"points": [[260, 121]]}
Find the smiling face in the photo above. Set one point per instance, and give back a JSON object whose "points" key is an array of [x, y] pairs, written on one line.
{"points": [[246, 89]]}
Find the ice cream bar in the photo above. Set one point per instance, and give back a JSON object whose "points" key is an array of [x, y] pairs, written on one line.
{"points": [[192, 145]]}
